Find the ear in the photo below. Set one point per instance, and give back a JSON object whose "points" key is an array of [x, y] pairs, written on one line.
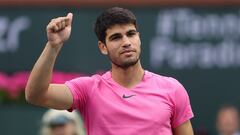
{"points": [[139, 37], [102, 47]]}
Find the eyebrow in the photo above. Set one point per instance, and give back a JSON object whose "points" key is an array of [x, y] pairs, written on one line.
{"points": [[118, 34], [131, 31], [114, 35]]}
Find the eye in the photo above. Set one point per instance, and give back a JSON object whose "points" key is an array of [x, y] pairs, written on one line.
{"points": [[131, 33], [115, 38]]}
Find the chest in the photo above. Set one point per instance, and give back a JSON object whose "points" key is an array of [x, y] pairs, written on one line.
{"points": [[113, 106]]}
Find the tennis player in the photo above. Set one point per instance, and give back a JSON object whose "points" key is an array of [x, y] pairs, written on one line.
{"points": [[126, 100]]}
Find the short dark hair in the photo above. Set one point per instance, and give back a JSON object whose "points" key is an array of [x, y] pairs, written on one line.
{"points": [[110, 17]]}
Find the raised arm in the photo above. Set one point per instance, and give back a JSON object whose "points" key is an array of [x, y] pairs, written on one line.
{"points": [[39, 91]]}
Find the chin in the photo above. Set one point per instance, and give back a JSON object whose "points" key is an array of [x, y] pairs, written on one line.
{"points": [[128, 64]]}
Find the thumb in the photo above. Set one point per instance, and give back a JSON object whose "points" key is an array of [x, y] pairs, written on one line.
{"points": [[70, 18]]}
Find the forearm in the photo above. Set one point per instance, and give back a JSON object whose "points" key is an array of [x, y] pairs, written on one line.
{"points": [[41, 74]]}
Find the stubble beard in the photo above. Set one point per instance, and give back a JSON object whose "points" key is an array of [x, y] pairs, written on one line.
{"points": [[124, 65]]}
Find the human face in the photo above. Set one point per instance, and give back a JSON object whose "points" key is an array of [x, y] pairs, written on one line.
{"points": [[228, 121], [122, 45], [66, 129]]}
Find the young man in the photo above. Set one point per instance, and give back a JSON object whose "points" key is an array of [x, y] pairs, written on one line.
{"points": [[127, 100]]}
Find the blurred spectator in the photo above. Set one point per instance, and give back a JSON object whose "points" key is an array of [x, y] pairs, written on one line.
{"points": [[227, 122], [56, 122]]}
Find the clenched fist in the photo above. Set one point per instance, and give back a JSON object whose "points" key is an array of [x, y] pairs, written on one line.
{"points": [[59, 30]]}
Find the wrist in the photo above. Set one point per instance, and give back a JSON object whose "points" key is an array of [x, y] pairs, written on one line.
{"points": [[55, 47]]}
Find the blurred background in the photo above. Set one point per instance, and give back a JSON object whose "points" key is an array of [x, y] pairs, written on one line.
{"points": [[197, 42]]}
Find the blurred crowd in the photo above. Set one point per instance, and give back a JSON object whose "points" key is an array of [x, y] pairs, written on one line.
{"points": [[55, 122], [227, 122]]}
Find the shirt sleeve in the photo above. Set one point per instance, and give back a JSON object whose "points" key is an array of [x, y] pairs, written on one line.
{"points": [[80, 89], [182, 107]]}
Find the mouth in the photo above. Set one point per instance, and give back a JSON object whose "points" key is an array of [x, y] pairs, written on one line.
{"points": [[127, 51]]}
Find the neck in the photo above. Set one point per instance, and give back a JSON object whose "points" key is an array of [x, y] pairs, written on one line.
{"points": [[128, 77]]}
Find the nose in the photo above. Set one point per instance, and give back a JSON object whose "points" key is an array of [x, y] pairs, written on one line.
{"points": [[126, 41]]}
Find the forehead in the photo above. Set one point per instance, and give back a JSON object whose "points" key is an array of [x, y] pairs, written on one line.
{"points": [[228, 113], [123, 28]]}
